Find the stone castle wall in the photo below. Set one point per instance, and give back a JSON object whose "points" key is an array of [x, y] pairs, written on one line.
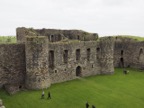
{"points": [[123, 50], [43, 61], [69, 59], [106, 55], [128, 53], [72, 60], [62, 55], [55, 35], [12, 64], [138, 55], [37, 71]]}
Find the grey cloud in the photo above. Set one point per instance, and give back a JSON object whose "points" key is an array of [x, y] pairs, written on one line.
{"points": [[107, 17], [117, 2]]}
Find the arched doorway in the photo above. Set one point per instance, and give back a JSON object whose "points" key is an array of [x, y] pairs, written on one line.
{"points": [[78, 71]]}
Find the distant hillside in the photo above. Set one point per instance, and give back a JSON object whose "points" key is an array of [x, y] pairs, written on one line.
{"points": [[138, 38], [12, 39], [133, 37], [7, 39]]}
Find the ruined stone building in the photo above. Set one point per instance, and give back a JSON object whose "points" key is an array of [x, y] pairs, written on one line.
{"points": [[42, 57]]}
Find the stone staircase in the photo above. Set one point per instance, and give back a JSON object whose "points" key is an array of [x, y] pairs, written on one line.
{"points": [[1, 104]]}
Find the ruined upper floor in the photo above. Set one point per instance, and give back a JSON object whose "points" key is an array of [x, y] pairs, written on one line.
{"points": [[55, 35]]}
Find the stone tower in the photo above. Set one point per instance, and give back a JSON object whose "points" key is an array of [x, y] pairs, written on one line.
{"points": [[106, 56], [37, 75]]}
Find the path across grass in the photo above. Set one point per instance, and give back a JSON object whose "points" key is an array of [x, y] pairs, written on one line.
{"points": [[104, 91]]}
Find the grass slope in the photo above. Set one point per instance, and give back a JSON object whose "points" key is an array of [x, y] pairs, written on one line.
{"points": [[104, 91], [7, 39], [136, 37]]}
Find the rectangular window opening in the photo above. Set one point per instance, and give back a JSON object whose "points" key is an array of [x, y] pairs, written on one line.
{"points": [[65, 56], [78, 54], [88, 54], [51, 59]]}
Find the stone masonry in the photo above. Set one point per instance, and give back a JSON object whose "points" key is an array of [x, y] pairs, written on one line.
{"points": [[37, 75], [42, 57], [129, 53]]}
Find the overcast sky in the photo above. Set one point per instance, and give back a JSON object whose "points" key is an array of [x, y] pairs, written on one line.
{"points": [[105, 17]]}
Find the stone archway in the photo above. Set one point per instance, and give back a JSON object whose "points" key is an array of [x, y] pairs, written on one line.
{"points": [[78, 71]]}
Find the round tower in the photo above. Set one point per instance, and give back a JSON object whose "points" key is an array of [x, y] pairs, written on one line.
{"points": [[37, 75], [106, 55]]}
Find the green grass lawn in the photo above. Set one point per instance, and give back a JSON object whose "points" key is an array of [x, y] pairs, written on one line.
{"points": [[7, 39], [104, 91]]}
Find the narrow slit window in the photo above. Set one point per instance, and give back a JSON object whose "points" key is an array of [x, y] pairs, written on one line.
{"points": [[65, 56], [78, 54], [88, 54], [51, 59]]}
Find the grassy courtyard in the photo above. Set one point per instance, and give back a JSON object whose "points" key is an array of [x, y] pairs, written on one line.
{"points": [[104, 91]]}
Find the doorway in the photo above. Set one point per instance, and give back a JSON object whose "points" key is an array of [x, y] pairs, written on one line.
{"points": [[78, 71]]}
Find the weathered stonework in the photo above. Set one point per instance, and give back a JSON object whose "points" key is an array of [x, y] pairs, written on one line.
{"points": [[47, 56], [66, 71], [55, 35], [129, 53], [12, 64], [106, 56], [37, 75]]}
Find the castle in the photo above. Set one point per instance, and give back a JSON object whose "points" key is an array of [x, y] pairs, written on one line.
{"points": [[42, 57]]}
